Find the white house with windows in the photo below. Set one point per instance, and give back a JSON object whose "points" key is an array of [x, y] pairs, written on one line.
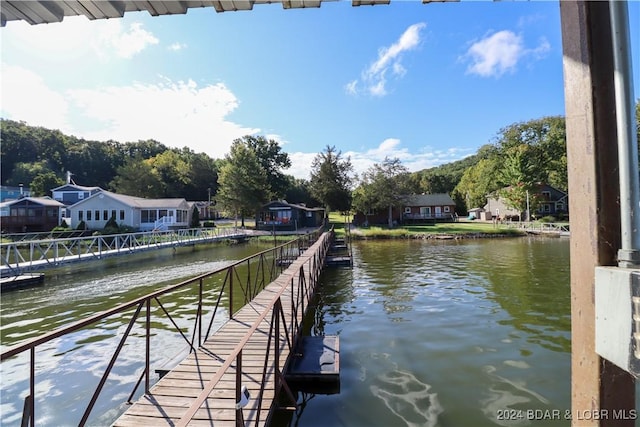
{"points": [[136, 212]]}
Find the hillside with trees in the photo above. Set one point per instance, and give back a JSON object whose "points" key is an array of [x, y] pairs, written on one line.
{"points": [[521, 156]]}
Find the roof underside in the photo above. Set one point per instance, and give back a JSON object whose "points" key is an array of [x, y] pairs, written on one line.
{"points": [[41, 12]]}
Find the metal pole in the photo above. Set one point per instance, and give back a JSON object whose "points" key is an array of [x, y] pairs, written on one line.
{"points": [[629, 253]]}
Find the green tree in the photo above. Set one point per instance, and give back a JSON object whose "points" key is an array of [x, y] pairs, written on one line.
{"points": [[195, 219], [298, 191], [137, 178], [385, 185], [42, 184], [172, 172], [546, 148], [477, 183], [272, 160], [331, 180], [364, 199], [203, 177], [242, 183]]}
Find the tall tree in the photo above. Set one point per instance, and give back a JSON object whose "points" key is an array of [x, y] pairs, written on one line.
{"points": [[137, 178], [546, 148], [298, 192], [477, 183], [242, 182], [203, 177], [519, 176], [173, 172], [385, 184], [42, 184], [272, 160], [331, 179]]}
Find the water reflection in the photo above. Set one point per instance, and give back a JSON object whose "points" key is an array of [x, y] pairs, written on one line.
{"points": [[446, 333], [69, 368]]}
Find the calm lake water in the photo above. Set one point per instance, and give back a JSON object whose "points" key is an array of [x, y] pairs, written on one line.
{"points": [[447, 333]]}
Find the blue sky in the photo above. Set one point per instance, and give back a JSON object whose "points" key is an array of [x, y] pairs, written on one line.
{"points": [[427, 83]]}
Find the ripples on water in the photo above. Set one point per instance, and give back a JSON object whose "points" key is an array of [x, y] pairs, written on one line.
{"points": [[447, 333], [432, 333], [69, 368]]}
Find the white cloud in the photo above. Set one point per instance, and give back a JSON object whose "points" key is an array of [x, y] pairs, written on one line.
{"points": [[77, 38], [500, 53], [176, 114], [390, 147], [352, 87], [374, 77], [177, 46], [127, 43], [25, 96]]}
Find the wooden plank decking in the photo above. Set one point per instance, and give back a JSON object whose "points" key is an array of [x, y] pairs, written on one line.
{"points": [[201, 376]]}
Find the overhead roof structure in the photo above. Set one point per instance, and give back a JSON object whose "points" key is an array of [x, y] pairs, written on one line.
{"points": [[593, 75], [44, 12]]}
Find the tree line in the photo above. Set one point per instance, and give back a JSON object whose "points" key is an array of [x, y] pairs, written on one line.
{"points": [[252, 173]]}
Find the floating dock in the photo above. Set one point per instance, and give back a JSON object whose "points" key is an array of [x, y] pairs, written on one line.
{"points": [[21, 281], [339, 254], [315, 368]]}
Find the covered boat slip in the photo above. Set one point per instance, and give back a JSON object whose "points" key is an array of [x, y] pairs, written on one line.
{"points": [[250, 351]]}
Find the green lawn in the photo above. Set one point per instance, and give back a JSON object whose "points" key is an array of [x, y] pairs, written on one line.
{"points": [[448, 228]]}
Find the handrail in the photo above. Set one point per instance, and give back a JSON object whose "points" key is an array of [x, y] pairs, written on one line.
{"points": [[274, 307], [539, 226], [25, 256], [263, 264]]}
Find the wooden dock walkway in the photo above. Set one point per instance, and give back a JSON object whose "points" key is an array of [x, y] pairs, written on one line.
{"points": [[204, 388]]}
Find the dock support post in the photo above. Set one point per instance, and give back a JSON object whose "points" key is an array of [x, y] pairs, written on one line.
{"points": [[596, 384], [239, 413]]}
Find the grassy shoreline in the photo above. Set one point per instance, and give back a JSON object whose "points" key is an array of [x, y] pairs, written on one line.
{"points": [[439, 231]]}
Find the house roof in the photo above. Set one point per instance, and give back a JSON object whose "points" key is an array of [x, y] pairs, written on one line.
{"points": [[437, 199], [74, 187], [284, 203], [136, 202], [44, 201]]}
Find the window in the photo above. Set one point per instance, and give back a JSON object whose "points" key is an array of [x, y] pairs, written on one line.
{"points": [[88, 215], [113, 215], [148, 215], [105, 215], [122, 215], [446, 208], [546, 195], [162, 213], [80, 196], [370, 211], [407, 209]]}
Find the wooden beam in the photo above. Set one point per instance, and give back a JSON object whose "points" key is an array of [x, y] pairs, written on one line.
{"points": [[599, 389]]}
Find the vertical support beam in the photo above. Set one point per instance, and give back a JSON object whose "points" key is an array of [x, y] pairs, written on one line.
{"points": [[596, 384]]}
